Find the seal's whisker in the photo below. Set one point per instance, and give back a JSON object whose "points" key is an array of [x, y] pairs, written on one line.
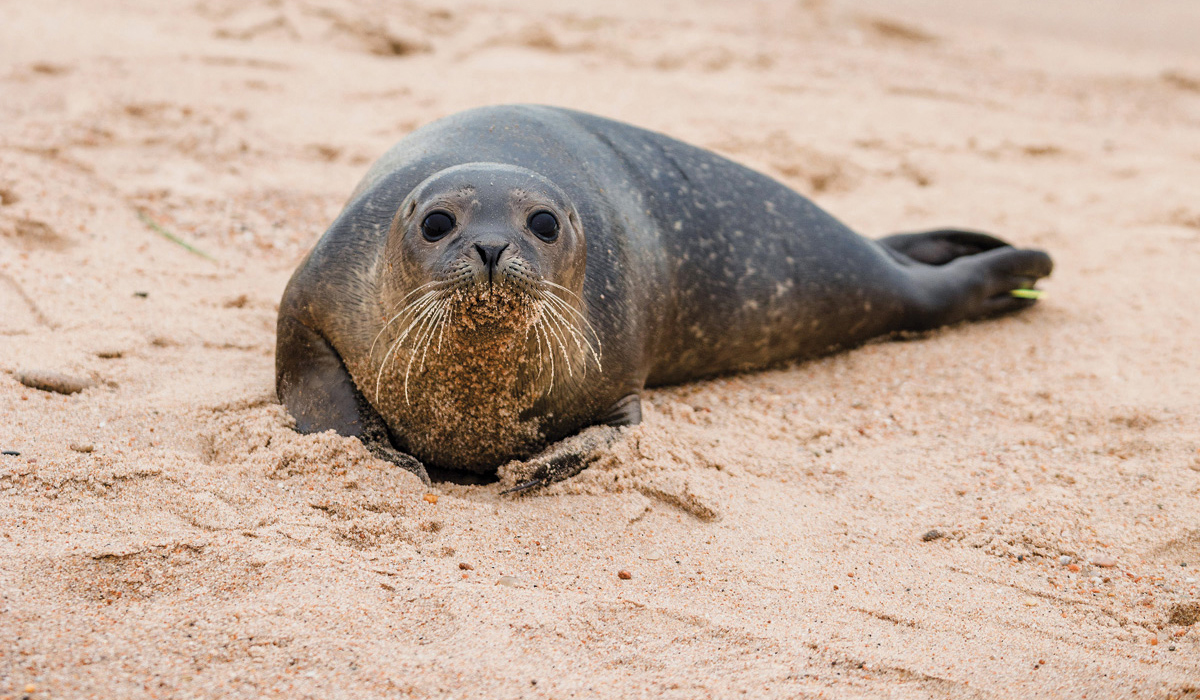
{"points": [[428, 323], [410, 295], [405, 310], [424, 313], [421, 347], [564, 306], [598, 349], [409, 309], [557, 304], [540, 349], [568, 328], [525, 339], [438, 320], [423, 334], [580, 340], [577, 311], [395, 345], [552, 327], [541, 322], [414, 323], [447, 321], [420, 305], [548, 283]]}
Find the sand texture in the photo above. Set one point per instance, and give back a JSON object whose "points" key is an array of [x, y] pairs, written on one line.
{"points": [[1008, 509]]}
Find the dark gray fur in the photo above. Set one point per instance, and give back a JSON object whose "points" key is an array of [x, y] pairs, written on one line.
{"points": [[695, 266]]}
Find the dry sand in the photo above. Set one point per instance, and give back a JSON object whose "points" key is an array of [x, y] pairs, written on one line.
{"points": [[163, 533]]}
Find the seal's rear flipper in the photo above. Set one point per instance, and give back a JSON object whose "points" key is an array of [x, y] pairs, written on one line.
{"points": [[941, 246], [1000, 272], [313, 385], [977, 286]]}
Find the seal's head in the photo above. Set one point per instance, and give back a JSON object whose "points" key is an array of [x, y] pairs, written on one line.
{"points": [[489, 233], [494, 257]]}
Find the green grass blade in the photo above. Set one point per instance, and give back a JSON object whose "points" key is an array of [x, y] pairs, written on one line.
{"points": [[153, 226]]}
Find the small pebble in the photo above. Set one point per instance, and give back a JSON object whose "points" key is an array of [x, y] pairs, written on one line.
{"points": [[624, 575], [1072, 567], [652, 555], [110, 353], [1064, 560], [52, 381], [1030, 602], [141, 295], [1103, 560], [84, 447], [510, 581], [431, 498], [465, 566], [932, 535]]}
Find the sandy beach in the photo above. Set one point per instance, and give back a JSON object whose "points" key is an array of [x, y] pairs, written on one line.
{"points": [[1005, 509]]}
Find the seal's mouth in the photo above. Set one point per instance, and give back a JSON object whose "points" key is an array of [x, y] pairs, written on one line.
{"points": [[494, 289], [496, 307], [482, 294], [476, 310]]}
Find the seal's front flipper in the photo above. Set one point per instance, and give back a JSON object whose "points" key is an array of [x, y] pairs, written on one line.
{"points": [[384, 450], [566, 458], [314, 386], [941, 246], [627, 411]]}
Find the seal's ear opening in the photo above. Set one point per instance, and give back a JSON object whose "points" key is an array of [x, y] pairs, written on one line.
{"points": [[412, 206], [573, 219]]}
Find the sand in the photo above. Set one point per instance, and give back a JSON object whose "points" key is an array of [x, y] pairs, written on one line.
{"points": [[1004, 509]]}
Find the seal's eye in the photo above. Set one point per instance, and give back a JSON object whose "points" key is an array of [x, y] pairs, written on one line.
{"points": [[544, 225], [436, 225]]}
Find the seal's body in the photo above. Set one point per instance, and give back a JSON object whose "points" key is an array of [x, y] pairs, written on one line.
{"points": [[508, 277]]}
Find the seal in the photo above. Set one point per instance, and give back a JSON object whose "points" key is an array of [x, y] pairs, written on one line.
{"points": [[505, 283]]}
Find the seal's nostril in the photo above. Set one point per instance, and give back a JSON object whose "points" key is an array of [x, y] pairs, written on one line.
{"points": [[490, 254]]}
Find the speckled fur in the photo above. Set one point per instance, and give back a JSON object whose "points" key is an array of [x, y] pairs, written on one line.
{"points": [[679, 263]]}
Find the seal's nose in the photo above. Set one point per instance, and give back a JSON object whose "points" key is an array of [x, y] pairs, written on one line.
{"points": [[490, 255]]}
